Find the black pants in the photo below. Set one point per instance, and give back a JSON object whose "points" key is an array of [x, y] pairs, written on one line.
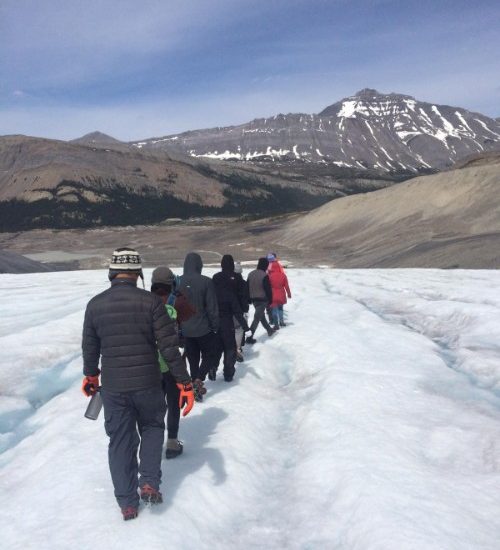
{"points": [[259, 317], [205, 347], [227, 346], [131, 419], [171, 392]]}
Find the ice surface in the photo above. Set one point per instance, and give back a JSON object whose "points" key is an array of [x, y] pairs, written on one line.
{"points": [[371, 422]]}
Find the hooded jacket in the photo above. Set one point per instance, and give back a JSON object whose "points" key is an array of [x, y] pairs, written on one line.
{"points": [[124, 327], [258, 283], [200, 293], [279, 284], [226, 287]]}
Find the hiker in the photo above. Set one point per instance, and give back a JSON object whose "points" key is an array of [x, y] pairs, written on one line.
{"points": [[163, 283], [280, 289], [261, 296], [124, 327], [244, 301], [229, 308], [272, 257], [200, 331]]}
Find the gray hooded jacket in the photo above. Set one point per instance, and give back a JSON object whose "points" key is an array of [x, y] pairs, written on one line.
{"points": [[200, 293]]}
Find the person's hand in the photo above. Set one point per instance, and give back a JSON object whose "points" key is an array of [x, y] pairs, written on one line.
{"points": [[186, 397], [90, 385]]}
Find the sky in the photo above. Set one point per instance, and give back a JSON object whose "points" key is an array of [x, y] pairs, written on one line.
{"points": [[136, 70]]}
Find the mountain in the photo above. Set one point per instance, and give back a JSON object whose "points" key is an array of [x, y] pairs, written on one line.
{"points": [[56, 184], [98, 139], [389, 133], [450, 219], [10, 262]]}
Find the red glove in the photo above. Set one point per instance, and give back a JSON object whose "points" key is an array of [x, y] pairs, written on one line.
{"points": [[186, 397], [90, 385]]}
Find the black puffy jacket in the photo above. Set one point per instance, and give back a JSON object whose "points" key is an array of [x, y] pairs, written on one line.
{"points": [[125, 326], [225, 290], [199, 290]]}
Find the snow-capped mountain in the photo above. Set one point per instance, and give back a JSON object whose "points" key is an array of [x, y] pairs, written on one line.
{"points": [[369, 130]]}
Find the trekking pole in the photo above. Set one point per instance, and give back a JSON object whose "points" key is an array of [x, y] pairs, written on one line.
{"points": [[95, 406]]}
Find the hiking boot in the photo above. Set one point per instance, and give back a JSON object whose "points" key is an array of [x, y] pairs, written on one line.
{"points": [[199, 390], [271, 331], [250, 340], [212, 375], [282, 324], [228, 378], [239, 356], [150, 495], [174, 448], [276, 328], [129, 513]]}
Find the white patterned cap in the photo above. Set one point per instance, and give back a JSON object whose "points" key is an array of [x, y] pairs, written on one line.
{"points": [[125, 259]]}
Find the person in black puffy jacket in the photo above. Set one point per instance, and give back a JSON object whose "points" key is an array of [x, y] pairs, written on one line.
{"points": [[124, 328], [229, 308]]}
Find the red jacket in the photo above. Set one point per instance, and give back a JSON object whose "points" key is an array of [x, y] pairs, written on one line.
{"points": [[279, 284]]}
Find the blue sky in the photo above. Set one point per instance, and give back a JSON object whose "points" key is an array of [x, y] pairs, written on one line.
{"points": [[137, 69]]}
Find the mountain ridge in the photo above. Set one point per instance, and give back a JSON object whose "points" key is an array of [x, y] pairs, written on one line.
{"points": [[388, 133]]}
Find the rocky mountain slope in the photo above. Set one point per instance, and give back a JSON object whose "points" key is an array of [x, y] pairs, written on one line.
{"points": [[384, 132], [451, 219], [56, 184], [10, 262]]}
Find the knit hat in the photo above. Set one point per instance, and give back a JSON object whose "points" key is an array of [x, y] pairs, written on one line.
{"points": [[271, 257], [125, 260], [238, 268], [163, 275]]}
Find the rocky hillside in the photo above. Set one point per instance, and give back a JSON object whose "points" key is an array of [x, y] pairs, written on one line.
{"points": [[10, 262], [55, 184], [389, 133], [451, 219]]}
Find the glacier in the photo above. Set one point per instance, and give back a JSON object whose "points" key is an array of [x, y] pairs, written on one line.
{"points": [[372, 421]]}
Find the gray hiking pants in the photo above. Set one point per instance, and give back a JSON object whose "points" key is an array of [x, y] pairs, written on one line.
{"points": [[131, 419], [259, 317]]}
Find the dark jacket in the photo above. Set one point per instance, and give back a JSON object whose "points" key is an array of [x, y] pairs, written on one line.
{"points": [[200, 293], [125, 327], [225, 290], [242, 292], [259, 287]]}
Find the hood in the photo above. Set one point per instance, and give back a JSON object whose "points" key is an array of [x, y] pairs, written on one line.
{"points": [[273, 266], [193, 263], [263, 264], [227, 263]]}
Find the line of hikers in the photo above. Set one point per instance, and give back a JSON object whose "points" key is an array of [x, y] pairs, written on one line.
{"points": [[136, 335]]}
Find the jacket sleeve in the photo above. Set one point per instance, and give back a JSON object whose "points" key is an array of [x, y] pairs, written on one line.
{"points": [[211, 306], [168, 341], [267, 289], [91, 346], [237, 312], [287, 287], [245, 296]]}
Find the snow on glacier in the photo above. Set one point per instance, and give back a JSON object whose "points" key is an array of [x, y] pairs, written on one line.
{"points": [[370, 422]]}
